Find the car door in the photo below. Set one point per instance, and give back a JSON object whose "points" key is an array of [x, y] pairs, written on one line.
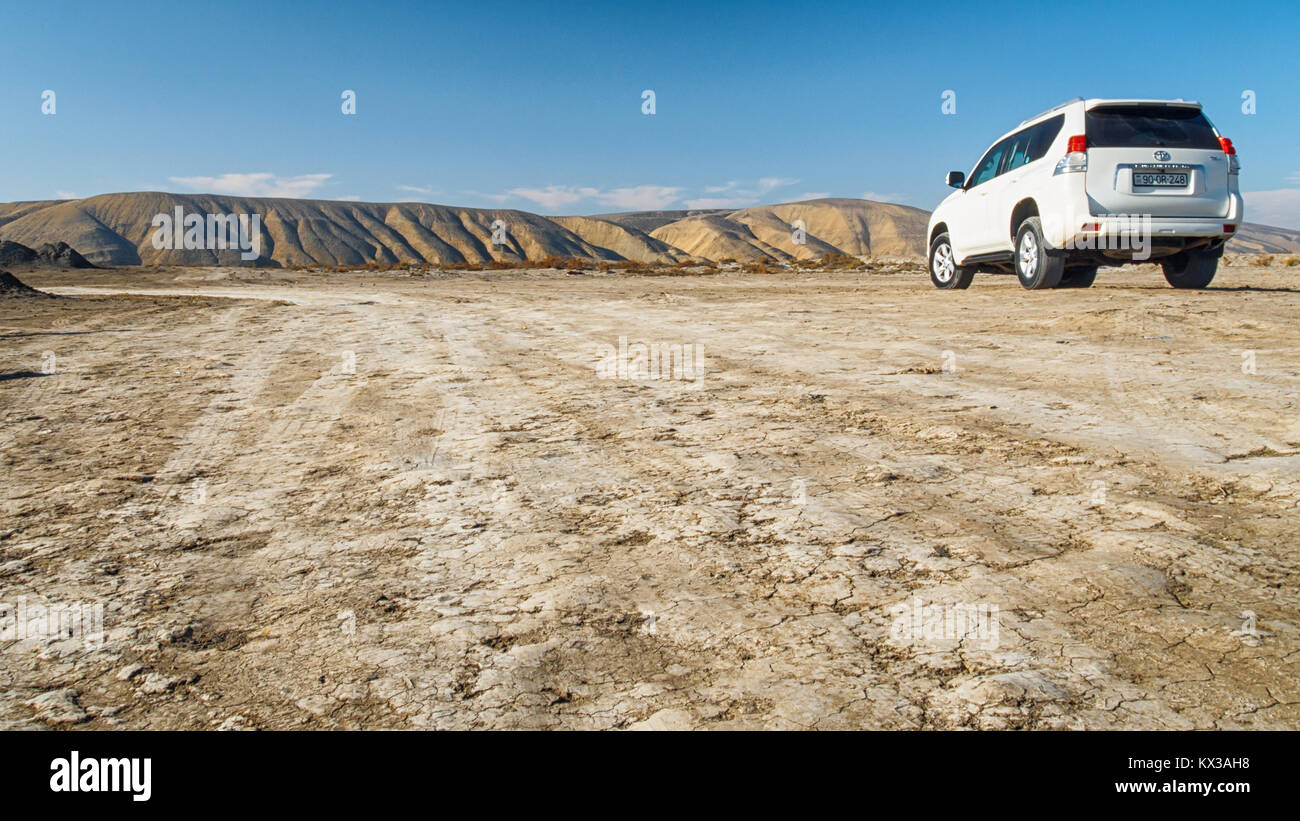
{"points": [[1008, 190], [980, 194]]}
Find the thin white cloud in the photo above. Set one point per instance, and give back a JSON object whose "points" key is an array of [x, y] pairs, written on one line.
{"points": [[737, 194], [68, 195], [416, 189], [349, 198], [1280, 207], [769, 183], [553, 196], [874, 197], [494, 197], [263, 184], [642, 197], [720, 202], [732, 194], [812, 195], [1294, 177], [637, 198]]}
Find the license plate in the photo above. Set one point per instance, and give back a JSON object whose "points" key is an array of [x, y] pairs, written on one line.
{"points": [[1160, 179]]}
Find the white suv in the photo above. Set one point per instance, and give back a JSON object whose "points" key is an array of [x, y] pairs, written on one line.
{"points": [[1088, 183]]}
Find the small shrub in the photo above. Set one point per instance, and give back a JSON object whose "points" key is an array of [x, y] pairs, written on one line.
{"points": [[838, 261]]}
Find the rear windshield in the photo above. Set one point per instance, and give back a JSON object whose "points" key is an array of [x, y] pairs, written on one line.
{"points": [[1149, 126]]}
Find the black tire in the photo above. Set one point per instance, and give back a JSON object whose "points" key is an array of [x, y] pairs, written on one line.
{"points": [[1078, 277], [945, 273], [1194, 268], [1035, 267]]}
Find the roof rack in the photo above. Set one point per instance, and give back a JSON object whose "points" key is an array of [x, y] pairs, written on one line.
{"points": [[1053, 108]]}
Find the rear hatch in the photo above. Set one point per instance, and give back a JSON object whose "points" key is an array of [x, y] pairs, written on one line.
{"points": [[1162, 159]]}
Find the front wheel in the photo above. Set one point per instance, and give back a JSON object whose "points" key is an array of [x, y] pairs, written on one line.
{"points": [[1035, 267], [945, 273], [1194, 268]]}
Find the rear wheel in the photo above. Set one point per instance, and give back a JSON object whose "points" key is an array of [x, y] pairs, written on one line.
{"points": [[1194, 268], [1035, 268], [1078, 277], [945, 273]]}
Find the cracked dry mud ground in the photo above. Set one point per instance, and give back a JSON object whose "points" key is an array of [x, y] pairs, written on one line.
{"points": [[474, 531]]}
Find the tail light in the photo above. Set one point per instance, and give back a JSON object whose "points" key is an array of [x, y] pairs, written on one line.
{"points": [[1234, 165], [1228, 228], [1076, 156]]}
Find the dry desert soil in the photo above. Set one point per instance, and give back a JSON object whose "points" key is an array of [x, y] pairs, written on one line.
{"points": [[325, 501]]}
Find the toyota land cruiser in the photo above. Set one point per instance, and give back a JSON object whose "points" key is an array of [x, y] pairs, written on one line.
{"points": [[1089, 183]]}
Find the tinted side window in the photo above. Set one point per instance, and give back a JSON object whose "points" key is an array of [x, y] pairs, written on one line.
{"points": [[1032, 143], [1018, 153], [1045, 133], [1149, 126], [987, 168]]}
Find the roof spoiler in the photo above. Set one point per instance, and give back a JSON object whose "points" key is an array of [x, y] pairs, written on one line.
{"points": [[1178, 103], [1053, 108]]}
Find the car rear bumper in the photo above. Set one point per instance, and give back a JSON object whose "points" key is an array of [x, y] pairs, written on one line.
{"points": [[1136, 237]]}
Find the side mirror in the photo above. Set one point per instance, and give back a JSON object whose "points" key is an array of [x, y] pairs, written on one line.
{"points": [[956, 179]]}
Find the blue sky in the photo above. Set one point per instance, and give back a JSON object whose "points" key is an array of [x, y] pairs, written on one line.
{"points": [[539, 106]]}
